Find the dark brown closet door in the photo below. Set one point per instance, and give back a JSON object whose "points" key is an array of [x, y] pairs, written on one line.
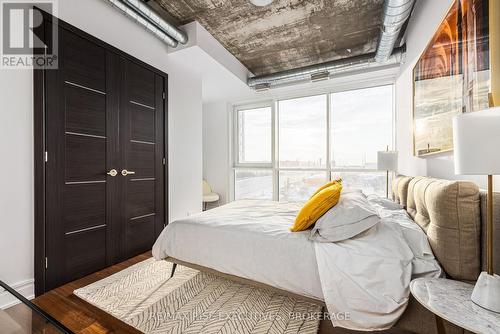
{"points": [[104, 172], [80, 143], [142, 151]]}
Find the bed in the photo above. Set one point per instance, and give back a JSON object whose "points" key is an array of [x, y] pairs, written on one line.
{"points": [[239, 239], [249, 241]]}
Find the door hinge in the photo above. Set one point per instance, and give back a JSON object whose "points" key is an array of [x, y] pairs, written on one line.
{"points": [[164, 161], [45, 156], [46, 263], [163, 95]]}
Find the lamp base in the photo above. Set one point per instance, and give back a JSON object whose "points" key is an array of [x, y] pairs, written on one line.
{"points": [[486, 292]]}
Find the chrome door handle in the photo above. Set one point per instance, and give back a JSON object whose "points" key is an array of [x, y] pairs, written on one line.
{"points": [[112, 173], [126, 172]]}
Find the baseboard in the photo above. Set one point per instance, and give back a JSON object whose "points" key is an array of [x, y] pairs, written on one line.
{"points": [[25, 288]]}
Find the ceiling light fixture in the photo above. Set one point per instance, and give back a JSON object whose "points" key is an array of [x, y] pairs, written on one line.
{"points": [[261, 3]]}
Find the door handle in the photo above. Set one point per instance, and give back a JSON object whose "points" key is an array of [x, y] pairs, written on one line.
{"points": [[112, 173], [126, 172]]}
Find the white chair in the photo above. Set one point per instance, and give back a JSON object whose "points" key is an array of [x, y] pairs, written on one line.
{"points": [[208, 195]]}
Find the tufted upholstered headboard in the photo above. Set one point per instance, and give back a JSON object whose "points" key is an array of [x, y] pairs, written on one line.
{"points": [[453, 215]]}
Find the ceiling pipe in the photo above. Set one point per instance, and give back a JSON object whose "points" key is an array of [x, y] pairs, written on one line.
{"points": [[145, 16], [396, 13], [308, 73]]}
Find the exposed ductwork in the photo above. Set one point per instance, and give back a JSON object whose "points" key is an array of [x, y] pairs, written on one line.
{"points": [[396, 13], [324, 70], [145, 16]]}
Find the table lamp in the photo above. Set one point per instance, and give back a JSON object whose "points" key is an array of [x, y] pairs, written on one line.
{"points": [[388, 161], [476, 140]]}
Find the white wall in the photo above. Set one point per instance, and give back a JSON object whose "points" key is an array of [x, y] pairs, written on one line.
{"points": [[16, 135], [16, 183], [223, 76], [216, 148], [185, 142], [425, 21]]}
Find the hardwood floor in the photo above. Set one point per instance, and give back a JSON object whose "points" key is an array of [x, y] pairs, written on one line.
{"points": [[83, 318], [78, 315]]}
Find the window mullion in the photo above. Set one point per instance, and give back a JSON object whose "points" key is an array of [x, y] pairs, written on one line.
{"points": [[276, 159], [236, 139], [328, 136], [394, 118]]}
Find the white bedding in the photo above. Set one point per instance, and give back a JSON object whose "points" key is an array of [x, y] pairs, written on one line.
{"points": [[364, 280], [250, 239]]}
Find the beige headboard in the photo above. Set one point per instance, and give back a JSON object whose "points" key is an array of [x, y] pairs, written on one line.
{"points": [[453, 215]]}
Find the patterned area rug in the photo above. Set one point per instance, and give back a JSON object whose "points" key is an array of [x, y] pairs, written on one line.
{"points": [[144, 297]]}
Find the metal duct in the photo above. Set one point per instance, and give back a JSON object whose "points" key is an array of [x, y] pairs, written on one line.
{"points": [[396, 13], [363, 62], [145, 16]]}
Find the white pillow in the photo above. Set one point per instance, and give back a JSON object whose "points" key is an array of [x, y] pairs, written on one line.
{"points": [[352, 215], [384, 202], [424, 263], [414, 235]]}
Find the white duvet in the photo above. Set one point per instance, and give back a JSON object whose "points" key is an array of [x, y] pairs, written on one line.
{"points": [[364, 281]]}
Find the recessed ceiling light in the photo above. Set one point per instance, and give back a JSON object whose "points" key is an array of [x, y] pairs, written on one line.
{"points": [[261, 3]]}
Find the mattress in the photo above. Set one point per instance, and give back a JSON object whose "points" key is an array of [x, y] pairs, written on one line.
{"points": [[249, 239]]}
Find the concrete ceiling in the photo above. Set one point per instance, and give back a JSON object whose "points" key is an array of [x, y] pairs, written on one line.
{"points": [[288, 33]]}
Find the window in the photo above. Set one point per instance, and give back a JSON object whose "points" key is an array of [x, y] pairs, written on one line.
{"points": [[302, 132], [299, 185], [361, 125], [255, 132], [370, 182], [286, 149], [253, 184]]}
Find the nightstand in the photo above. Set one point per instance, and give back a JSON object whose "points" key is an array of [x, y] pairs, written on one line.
{"points": [[450, 300]]}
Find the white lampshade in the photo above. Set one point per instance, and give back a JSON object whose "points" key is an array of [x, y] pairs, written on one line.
{"points": [[387, 160], [476, 141]]}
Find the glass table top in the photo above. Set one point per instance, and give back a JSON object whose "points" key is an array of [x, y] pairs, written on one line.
{"points": [[25, 317]]}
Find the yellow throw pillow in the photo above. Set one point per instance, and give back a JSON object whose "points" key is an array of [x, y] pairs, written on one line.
{"points": [[326, 185], [317, 206]]}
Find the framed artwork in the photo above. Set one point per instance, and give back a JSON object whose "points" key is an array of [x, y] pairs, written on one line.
{"points": [[452, 76]]}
